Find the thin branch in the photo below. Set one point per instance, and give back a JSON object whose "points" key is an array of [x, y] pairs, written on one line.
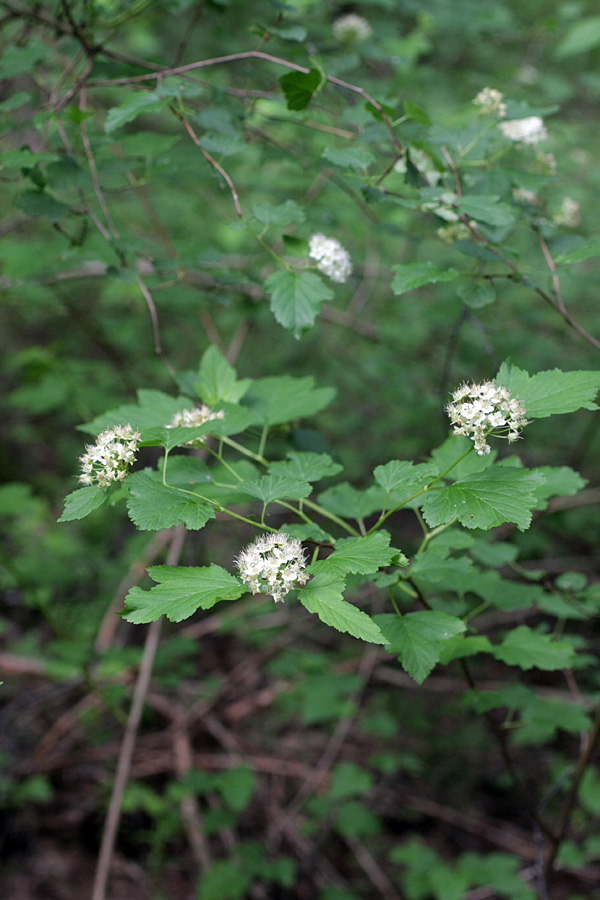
{"points": [[155, 326], [113, 817], [565, 816], [93, 170], [555, 302], [213, 163]]}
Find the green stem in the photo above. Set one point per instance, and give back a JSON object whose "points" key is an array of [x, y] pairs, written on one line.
{"points": [[255, 456], [385, 515], [263, 441], [323, 512]]}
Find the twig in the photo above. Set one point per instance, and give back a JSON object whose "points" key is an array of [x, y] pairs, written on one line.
{"points": [[92, 166], [372, 869], [557, 302], [155, 326], [113, 817], [213, 163], [565, 816]]}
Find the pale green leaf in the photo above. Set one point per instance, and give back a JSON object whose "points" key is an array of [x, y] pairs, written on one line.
{"points": [[323, 596], [359, 158], [306, 466], [582, 35], [179, 592], [488, 209], [528, 649], [476, 292], [153, 506], [284, 398], [275, 487], [414, 275], [346, 501], [361, 556], [281, 215], [82, 502], [135, 105], [217, 380], [552, 392], [485, 499], [561, 481], [296, 298], [418, 638]]}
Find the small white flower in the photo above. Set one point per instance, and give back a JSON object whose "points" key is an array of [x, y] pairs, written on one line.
{"points": [[351, 29], [272, 564], [108, 460], [524, 131], [490, 103], [480, 410], [569, 213], [191, 418], [332, 259]]}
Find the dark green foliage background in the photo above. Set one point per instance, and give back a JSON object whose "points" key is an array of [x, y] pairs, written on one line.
{"points": [[77, 339]]}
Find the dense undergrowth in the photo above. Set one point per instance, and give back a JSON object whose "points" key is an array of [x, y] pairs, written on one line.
{"points": [[434, 734]]}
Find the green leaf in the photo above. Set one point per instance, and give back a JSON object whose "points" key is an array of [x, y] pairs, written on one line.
{"points": [[136, 105], [323, 596], [223, 144], [485, 499], [284, 398], [359, 158], [415, 275], [418, 638], [217, 380], [299, 87], [154, 409], [486, 209], [223, 880], [275, 487], [398, 475], [463, 646], [306, 466], [26, 159], [414, 112], [153, 506], [82, 502], [361, 556], [179, 592], [236, 787], [551, 392], [477, 292], [579, 254], [20, 60], [39, 203], [296, 298], [279, 215], [528, 649], [561, 481], [350, 503], [581, 36]]}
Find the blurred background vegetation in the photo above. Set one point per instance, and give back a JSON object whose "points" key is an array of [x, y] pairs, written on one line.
{"points": [[88, 211]]}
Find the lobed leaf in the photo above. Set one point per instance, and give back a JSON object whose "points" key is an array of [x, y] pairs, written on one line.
{"points": [[179, 592], [82, 502], [153, 506], [323, 596], [551, 392], [296, 298], [485, 499], [418, 638]]}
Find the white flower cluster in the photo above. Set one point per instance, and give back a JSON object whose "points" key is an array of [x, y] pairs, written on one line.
{"points": [[109, 458], [524, 131], [569, 213], [272, 564], [490, 103], [191, 418], [332, 259], [351, 28], [478, 410]]}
